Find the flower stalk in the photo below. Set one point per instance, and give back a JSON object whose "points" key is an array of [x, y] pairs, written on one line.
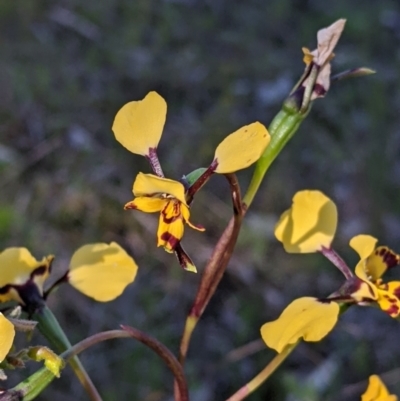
{"points": [[51, 329], [261, 377]]}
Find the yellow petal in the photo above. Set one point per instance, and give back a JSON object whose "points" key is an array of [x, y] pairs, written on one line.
{"points": [[363, 244], [309, 224], [101, 271], [377, 391], [7, 336], [146, 204], [171, 226], [16, 267], [138, 125], [242, 148], [152, 185], [361, 270], [305, 318], [375, 260]]}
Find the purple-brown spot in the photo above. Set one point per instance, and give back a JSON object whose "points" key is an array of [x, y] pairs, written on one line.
{"points": [[393, 310], [170, 239], [319, 90], [389, 257], [396, 292], [175, 215]]}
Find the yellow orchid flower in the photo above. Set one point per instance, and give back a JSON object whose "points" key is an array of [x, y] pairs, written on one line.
{"points": [[374, 261], [305, 318], [138, 125], [310, 225], [377, 391], [7, 333], [157, 194]]}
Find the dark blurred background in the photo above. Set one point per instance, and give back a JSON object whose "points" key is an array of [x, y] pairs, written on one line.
{"points": [[66, 67]]}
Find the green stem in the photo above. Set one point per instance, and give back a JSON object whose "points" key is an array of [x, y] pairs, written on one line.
{"points": [[51, 329], [259, 379], [31, 387], [281, 129]]}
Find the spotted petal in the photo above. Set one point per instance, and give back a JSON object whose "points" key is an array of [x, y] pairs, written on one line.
{"points": [[374, 261], [171, 226], [309, 225], [138, 125], [241, 149], [101, 271], [389, 298], [152, 185], [305, 318]]}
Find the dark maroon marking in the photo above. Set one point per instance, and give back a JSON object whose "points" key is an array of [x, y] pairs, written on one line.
{"points": [[177, 213], [390, 258], [130, 207], [324, 300], [319, 90], [39, 271], [393, 310], [396, 292], [183, 258], [352, 285], [170, 239], [5, 289]]}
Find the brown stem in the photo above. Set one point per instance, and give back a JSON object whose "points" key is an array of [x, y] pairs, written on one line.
{"points": [[336, 259], [129, 332], [200, 182], [216, 266]]}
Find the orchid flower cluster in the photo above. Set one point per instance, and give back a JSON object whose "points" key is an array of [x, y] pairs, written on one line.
{"points": [[102, 271]]}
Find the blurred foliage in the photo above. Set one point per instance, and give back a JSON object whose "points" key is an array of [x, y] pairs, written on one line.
{"points": [[67, 66]]}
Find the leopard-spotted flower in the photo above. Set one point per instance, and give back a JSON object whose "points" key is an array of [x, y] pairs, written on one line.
{"points": [[374, 262], [309, 226], [156, 194], [138, 126]]}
